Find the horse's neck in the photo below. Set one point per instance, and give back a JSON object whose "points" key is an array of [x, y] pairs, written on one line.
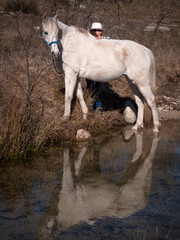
{"points": [[62, 26]]}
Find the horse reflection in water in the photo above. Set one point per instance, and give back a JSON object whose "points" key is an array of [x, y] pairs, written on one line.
{"points": [[98, 196]]}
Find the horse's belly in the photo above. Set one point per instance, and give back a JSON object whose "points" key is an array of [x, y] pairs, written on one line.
{"points": [[102, 75]]}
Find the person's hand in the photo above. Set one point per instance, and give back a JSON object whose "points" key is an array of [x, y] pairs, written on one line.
{"points": [[100, 37]]}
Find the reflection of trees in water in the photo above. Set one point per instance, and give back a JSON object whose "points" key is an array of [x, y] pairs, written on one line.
{"points": [[98, 194], [18, 178]]}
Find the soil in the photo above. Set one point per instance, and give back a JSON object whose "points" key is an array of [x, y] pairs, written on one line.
{"points": [[168, 101], [168, 106]]}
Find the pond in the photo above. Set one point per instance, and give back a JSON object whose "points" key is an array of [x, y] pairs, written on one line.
{"points": [[125, 186]]}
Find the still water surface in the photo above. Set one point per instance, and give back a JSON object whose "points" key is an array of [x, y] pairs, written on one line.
{"points": [[126, 186]]}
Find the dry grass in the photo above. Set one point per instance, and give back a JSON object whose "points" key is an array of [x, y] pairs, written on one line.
{"points": [[32, 92], [168, 65]]}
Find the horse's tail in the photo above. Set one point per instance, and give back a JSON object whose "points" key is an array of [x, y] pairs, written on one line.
{"points": [[153, 74], [148, 119]]}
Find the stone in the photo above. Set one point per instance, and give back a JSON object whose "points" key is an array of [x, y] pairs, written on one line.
{"points": [[82, 135], [129, 115]]}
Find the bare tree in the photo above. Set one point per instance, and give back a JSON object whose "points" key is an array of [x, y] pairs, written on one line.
{"points": [[88, 16], [162, 15]]}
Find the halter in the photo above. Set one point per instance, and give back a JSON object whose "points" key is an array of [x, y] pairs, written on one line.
{"points": [[53, 42]]}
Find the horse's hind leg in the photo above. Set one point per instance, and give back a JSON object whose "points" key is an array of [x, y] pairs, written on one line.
{"points": [[150, 99], [140, 114], [81, 100], [139, 99]]}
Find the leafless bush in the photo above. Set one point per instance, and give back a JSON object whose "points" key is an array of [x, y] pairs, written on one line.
{"points": [[22, 108], [24, 6]]}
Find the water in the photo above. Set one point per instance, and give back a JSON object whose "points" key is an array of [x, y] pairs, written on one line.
{"points": [[126, 186]]}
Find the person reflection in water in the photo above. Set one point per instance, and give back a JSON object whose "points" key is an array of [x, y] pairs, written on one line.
{"points": [[86, 201]]}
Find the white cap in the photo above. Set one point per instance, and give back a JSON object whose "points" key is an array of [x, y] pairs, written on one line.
{"points": [[97, 26]]}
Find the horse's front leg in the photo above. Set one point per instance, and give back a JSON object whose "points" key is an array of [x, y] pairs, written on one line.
{"points": [[81, 100], [70, 83]]}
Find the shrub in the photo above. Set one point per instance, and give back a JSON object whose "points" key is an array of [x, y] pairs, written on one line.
{"points": [[24, 6]]}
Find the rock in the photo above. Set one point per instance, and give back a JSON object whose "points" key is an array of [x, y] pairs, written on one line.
{"points": [[82, 135], [37, 28], [129, 115], [152, 27]]}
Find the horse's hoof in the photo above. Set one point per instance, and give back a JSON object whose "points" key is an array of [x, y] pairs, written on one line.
{"points": [[155, 130], [135, 128], [85, 116], [65, 118]]}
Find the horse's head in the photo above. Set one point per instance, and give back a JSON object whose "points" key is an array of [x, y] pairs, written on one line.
{"points": [[50, 33]]}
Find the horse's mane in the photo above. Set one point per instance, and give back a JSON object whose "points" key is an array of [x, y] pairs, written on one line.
{"points": [[83, 31]]}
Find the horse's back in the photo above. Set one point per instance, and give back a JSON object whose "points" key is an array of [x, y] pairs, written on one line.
{"points": [[120, 50], [106, 59]]}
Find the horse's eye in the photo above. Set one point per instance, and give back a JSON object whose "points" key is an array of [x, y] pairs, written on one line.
{"points": [[46, 33]]}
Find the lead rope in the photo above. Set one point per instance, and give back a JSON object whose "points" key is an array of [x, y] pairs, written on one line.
{"points": [[54, 63], [56, 68], [53, 58]]}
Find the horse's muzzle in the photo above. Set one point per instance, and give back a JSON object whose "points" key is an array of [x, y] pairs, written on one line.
{"points": [[56, 54], [55, 49]]}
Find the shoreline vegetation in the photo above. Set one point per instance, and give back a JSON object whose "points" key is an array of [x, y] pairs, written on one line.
{"points": [[32, 92]]}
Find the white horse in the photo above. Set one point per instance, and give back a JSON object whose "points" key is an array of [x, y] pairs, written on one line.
{"points": [[102, 61]]}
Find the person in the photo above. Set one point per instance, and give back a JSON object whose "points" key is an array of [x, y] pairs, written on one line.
{"points": [[96, 87]]}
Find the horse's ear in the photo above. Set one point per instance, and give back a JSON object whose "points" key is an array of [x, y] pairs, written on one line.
{"points": [[44, 17], [56, 17]]}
